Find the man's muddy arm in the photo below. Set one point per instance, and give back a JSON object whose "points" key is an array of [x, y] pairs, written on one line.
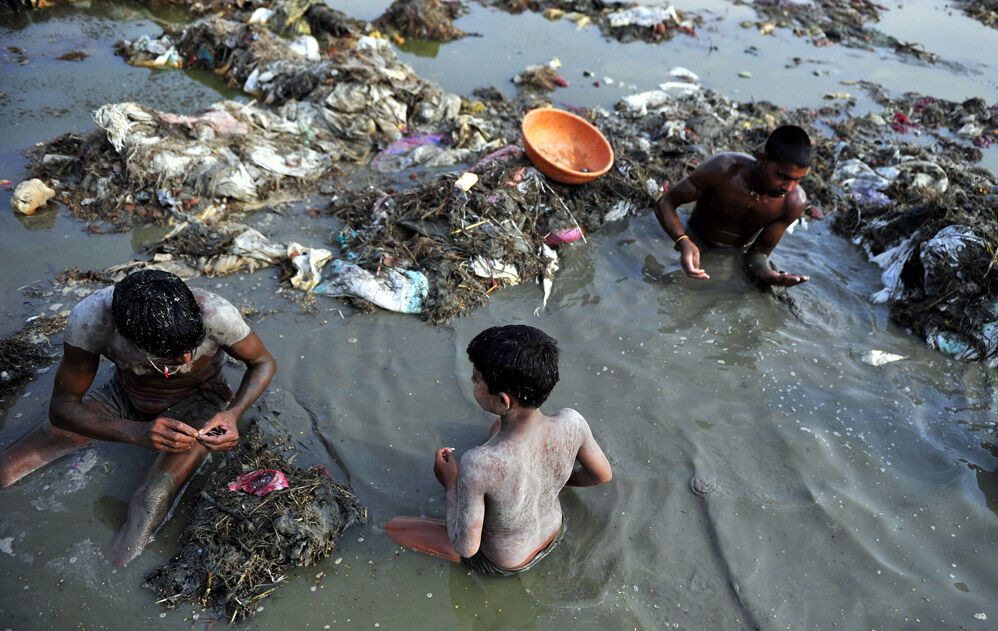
{"points": [[591, 466], [666, 211], [688, 190], [220, 432], [67, 411], [260, 369], [757, 257]]}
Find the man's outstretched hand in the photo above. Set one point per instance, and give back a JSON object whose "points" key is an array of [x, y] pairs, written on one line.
{"points": [[169, 435], [689, 256], [220, 432], [782, 279]]}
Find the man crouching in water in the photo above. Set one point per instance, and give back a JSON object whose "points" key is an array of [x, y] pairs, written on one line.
{"points": [[167, 393], [503, 512], [741, 201]]}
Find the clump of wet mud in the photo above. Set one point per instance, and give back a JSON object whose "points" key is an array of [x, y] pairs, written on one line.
{"points": [[984, 11], [541, 77], [23, 353], [239, 546], [827, 22], [622, 21], [423, 19]]}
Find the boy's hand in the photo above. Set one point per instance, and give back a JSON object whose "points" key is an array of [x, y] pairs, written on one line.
{"points": [[445, 466], [219, 433]]}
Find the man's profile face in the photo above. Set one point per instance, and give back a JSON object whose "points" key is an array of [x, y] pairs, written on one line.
{"points": [[780, 178]]}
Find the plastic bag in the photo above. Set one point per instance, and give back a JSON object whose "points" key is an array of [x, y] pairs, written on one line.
{"points": [[402, 291]]}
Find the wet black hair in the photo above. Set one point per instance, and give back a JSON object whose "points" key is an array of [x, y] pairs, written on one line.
{"points": [[789, 144], [157, 312], [517, 359]]}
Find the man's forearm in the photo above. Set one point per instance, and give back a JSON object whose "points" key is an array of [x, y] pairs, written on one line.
{"points": [[74, 417], [669, 218], [254, 382], [757, 263]]}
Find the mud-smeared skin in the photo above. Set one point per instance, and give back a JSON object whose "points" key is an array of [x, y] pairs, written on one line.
{"points": [[146, 511], [522, 510], [47, 443], [91, 328]]}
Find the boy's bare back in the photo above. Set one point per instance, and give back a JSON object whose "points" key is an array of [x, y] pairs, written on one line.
{"points": [[520, 471], [503, 514]]}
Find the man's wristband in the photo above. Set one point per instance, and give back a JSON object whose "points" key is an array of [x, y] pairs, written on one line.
{"points": [[675, 244]]}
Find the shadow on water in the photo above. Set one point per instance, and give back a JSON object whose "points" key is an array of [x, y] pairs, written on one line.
{"points": [[43, 219]]}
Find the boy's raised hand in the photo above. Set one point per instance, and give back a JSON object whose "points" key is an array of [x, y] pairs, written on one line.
{"points": [[445, 466]]}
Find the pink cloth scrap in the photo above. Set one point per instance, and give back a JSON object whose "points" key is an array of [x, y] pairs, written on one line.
{"points": [[559, 237], [260, 482]]}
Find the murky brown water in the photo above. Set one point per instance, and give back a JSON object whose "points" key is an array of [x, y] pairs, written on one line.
{"points": [[764, 476]]}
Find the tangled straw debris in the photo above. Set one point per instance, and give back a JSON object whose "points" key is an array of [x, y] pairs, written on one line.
{"points": [[238, 547]]}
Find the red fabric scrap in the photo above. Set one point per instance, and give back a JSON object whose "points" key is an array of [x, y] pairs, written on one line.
{"points": [[902, 124], [260, 482]]}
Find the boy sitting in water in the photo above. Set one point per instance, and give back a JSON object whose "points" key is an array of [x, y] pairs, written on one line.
{"points": [[503, 513]]}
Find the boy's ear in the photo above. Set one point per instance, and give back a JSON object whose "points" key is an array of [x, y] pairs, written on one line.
{"points": [[506, 400]]}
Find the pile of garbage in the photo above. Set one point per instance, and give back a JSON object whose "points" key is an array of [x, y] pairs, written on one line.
{"points": [[926, 215], [496, 224], [157, 165], [423, 19], [257, 517], [623, 21], [541, 77], [25, 352], [984, 11], [827, 22], [347, 106], [443, 246]]}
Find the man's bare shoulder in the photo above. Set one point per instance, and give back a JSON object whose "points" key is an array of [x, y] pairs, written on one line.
{"points": [[794, 204], [722, 167], [731, 159]]}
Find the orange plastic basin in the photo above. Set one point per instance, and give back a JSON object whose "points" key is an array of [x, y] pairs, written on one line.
{"points": [[565, 147]]}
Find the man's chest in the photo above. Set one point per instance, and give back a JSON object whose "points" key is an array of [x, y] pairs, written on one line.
{"points": [[747, 209]]}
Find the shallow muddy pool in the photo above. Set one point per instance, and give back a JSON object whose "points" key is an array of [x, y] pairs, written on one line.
{"points": [[765, 477]]}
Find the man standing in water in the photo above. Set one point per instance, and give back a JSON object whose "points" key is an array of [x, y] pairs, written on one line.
{"points": [[167, 393], [741, 201]]}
